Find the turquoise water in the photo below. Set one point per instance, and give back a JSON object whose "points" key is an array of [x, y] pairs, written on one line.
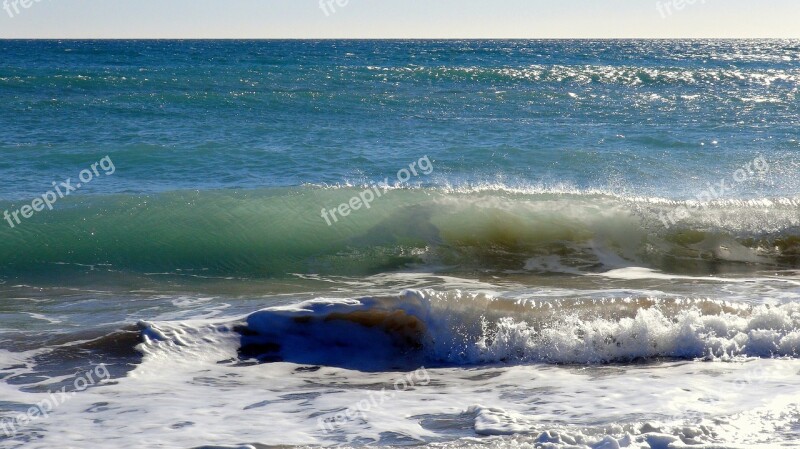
{"points": [[224, 148], [266, 231]]}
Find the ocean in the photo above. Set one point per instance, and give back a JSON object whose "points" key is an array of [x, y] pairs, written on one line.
{"points": [[439, 244]]}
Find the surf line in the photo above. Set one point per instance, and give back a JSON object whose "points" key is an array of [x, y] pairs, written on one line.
{"points": [[365, 198]]}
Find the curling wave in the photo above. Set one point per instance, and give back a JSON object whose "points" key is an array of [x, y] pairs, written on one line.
{"points": [[275, 232]]}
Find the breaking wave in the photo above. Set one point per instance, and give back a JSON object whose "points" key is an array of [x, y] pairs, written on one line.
{"points": [[457, 328]]}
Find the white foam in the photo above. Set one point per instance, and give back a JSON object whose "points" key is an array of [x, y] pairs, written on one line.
{"points": [[189, 392], [179, 402], [639, 273]]}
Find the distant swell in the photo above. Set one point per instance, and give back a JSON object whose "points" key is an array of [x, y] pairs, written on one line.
{"points": [[586, 74], [455, 328]]}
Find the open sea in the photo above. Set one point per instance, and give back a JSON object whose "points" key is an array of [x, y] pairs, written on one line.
{"points": [[440, 244]]}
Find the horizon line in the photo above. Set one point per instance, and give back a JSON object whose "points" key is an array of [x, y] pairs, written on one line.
{"points": [[383, 38]]}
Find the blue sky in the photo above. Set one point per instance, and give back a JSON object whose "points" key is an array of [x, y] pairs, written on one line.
{"points": [[398, 18]]}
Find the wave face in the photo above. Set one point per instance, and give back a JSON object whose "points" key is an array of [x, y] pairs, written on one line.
{"points": [[426, 327], [276, 232]]}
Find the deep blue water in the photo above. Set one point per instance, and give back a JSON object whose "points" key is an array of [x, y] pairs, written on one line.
{"points": [[658, 118]]}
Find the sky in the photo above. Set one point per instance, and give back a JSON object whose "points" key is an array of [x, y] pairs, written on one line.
{"points": [[399, 18]]}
